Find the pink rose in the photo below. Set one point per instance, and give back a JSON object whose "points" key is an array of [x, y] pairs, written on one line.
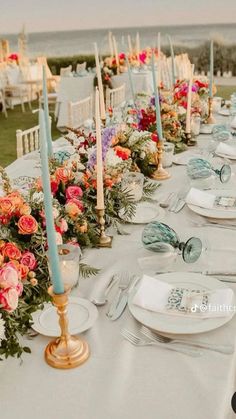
{"points": [[74, 192], [19, 288], [9, 277], [29, 260], [9, 299]]}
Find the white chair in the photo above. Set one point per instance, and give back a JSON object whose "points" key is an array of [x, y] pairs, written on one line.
{"points": [[79, 112], [27, 141], [66, 71], [3, 102], [81, 68], [115, 97]]}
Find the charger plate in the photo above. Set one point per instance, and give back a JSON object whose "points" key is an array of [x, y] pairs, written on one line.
{"points": [[82, 315], [180, 324]]}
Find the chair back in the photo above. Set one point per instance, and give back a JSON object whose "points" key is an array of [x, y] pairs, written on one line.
{"points": [[115, 97], [66, 71], [81, 68], [42, 61], [27, 141], [79, 112]]}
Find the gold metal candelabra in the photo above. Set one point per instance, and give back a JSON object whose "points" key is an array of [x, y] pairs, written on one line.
{"points": [[160, 173], [210, 118], [65, 351], [189, 141], [104, 240]]}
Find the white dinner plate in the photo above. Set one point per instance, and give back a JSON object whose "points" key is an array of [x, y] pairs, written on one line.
{"points": [[182, 159], [145, 213], [224, 112], [180, 324], [82, 315], [215, 212]]}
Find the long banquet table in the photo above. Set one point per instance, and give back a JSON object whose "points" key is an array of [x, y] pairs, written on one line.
{"points": [[120, 381]]}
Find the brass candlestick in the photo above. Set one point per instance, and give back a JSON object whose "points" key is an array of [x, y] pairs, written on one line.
{"points": [[103, 123], [188, 139], [65, 351], [160, 173], [210, 118], [104, 240]]}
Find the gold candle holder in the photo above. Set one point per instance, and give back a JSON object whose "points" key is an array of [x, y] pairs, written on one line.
{"points": [[210, 118], [103, 123], [160, 173], [104, 240], [188, 139], [65, 351]]}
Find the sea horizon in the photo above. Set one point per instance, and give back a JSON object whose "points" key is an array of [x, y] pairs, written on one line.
{"points": [[80, 41]]}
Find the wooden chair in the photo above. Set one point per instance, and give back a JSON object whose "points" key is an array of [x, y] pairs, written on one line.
{"points": [[79, 112], [27, 141], [115, 97]]}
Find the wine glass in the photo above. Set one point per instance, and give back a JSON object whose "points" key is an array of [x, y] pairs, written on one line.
{"points": [[160, 238], [201, 169]]}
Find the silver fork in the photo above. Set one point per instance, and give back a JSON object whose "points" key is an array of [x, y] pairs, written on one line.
{"points": [[215, 225], [224, 349], [138, 341], [123, 284]]}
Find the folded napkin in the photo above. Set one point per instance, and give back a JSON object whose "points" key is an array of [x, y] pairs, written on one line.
{"points": [[159, 296], [226, 149], [200, 198]]}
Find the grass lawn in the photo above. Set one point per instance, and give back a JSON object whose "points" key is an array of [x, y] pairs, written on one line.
{"points": [[18, 120], [8, 126]]}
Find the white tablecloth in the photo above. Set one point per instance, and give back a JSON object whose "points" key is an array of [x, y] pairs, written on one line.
{"points": [[142, 83], [72, 89], [121, 381]]}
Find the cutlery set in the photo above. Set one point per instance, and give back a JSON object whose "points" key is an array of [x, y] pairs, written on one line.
{"points": [[119, 302]]}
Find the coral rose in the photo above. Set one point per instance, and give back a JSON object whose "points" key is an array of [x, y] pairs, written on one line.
{"points": [[27, 225], [63, 175], [122, 152], [25, 209], [23, 271], [7, 206], [76, 202], [11, 251], [9, 299], [28, 259], [9, 276], [74, 192]]}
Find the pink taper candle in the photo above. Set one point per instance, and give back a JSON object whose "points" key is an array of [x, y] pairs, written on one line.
{"points": [[99, 167]]}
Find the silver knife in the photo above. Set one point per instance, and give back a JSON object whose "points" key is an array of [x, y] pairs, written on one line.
{"points": [[124, 300], [179, 206], [210, 273], [123, 285]]}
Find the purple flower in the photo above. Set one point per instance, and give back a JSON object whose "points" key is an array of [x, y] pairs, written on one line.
{"points": [[107, 135]]}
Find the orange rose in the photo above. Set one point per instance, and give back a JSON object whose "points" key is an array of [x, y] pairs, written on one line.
{"points": [[72, 209], [16, 198], [23, 271], [11, 251], [6, 206], [27, 224], [25, 209], [63, 175]]}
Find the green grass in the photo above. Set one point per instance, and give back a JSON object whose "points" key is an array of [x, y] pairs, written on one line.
{"points": [[18, 120], [8, 126]]}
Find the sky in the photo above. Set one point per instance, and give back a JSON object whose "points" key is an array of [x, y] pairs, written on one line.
{"points": [[54, 15]]}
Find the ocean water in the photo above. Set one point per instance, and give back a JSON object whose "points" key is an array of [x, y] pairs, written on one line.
{"points": [[81, 42]]}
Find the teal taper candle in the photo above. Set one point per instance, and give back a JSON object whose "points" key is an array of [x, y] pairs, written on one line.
{"points": [[46, 113], [157, 103], [58, 286], [211, 69]]}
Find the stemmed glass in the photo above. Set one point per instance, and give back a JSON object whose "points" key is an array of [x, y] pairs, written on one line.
{"points": [[200, 169], [162, 239]]}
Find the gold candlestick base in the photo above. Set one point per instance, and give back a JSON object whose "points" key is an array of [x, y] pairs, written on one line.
{"points": [[189, 141], [104, 240], [160, 173], [210, 118], [66, 351]]}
